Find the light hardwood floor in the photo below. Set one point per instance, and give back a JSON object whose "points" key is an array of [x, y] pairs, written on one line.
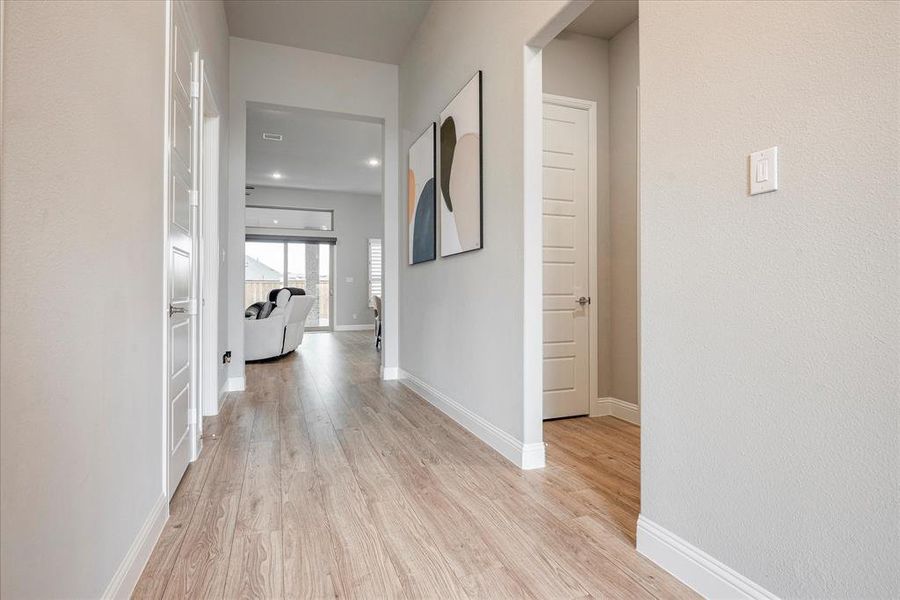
{"points": [[324, 481]]}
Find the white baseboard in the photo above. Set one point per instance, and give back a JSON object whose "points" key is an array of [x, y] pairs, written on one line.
{"points": [[602, 407], [126, 576], [363, 327], [525, 456], [390, 373], [534, 456], [235, 384], [693, 567]]}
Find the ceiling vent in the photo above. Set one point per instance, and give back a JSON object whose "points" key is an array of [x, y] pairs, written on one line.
{"points": [[273, 137]]}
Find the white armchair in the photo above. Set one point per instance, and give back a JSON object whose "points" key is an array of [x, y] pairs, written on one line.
{"points": [[282, 331]]}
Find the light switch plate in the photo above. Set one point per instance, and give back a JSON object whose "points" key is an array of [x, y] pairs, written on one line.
{"points": [[764, 171]]}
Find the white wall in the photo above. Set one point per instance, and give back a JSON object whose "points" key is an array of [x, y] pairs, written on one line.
{"points": [[623, 214], [81, 257], [305, 79], [357, 217], [81, 261], [463, 319], [770, 340], [578, 66]]}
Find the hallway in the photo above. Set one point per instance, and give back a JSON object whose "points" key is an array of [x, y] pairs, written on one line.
{"points": [[323, 481]]}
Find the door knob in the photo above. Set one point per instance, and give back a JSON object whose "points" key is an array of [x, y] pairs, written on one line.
{"points": [[176, 309], [583, 300]]}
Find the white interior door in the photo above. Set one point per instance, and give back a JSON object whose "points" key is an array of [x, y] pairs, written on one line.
{"points": [[566, 262], [182, 248]]}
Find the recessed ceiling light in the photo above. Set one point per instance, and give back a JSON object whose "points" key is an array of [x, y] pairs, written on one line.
{"points": [[277, 175], [275, 221], [373, 162]]}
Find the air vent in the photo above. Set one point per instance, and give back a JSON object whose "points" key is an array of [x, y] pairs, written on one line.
{"points": [[249, 187], [273, 137]]}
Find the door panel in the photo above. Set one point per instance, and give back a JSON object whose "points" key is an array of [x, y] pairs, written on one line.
{"points": [[182, 245], [566, 262], [181, 137]]}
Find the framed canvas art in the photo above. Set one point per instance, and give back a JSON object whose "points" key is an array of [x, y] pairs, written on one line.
{"points": [[421, 198], [461, 172]]}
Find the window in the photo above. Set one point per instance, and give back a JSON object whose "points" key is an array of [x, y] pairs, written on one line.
{"points": [[313, 219], [263, 270], [270, 265], [374, 269]]}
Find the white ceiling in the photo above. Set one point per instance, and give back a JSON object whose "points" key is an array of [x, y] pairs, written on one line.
{"points": [[605, 18], [375, 30], [320, 151]]}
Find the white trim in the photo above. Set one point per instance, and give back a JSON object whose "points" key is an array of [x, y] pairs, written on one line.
{"points": [[363, 327], [235, 384], [126, 576], [593, 288], [210, 130], [532, 251], [525, 456], [693, 567], [603, 407], [223, 391], [534, 456], [390, 373]]}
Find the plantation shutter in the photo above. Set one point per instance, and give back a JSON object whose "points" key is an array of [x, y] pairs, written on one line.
{"points": [[374, 269]]}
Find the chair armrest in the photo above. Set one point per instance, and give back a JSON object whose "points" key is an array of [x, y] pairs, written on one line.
{"points": [[263, 338]]}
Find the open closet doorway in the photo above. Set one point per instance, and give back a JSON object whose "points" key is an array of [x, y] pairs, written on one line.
{"points": [[589, 248]]}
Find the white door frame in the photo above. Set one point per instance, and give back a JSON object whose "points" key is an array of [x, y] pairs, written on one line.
{"points": [[164, 304], [593, 338], [210, 127]]}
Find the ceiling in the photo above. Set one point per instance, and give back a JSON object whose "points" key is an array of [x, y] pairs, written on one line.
{"points": [[605, 18], [320, 151], [376, 31]]}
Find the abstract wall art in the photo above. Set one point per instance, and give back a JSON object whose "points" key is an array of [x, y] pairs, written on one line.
{"points": [[461, 173], [421, 198]]}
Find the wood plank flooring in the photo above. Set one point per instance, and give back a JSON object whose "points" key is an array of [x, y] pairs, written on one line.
{"points": [[324, 481]]}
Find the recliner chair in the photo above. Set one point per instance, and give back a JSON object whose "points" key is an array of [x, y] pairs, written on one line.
{"points": [[281, 332]]}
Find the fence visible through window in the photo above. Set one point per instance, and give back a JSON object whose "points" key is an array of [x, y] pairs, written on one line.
{"points": [[270, 265]]}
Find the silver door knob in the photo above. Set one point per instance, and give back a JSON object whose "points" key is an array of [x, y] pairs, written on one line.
{"points": [[583, 300], [176, 309]]}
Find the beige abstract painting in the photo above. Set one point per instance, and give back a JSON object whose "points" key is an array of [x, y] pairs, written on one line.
{"points": [[461, 173]]}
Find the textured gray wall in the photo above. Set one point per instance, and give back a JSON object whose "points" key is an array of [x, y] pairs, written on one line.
{"points": [[623, 214], [769, 330], [82, 219]]}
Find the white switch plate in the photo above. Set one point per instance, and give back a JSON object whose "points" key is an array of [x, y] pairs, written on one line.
{"points": [[764, 171]]}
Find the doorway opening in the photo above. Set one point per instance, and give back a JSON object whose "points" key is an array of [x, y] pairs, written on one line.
{"points": [[313, 206], [581, 91]]}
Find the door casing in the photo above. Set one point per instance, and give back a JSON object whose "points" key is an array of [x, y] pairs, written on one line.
{"points": [[209, 259]]}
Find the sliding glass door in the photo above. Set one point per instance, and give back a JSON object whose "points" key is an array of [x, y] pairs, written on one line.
{"points": [[309, 267], [285, 263], [263, 270]]}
